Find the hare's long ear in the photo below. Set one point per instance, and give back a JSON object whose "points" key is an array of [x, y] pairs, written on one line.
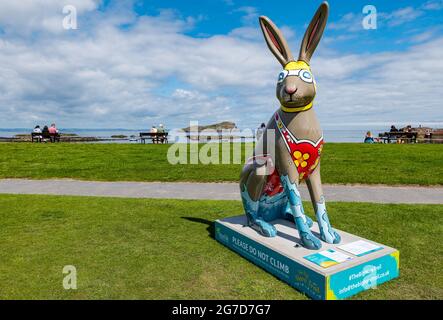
{"points": [[275, 41], [314, 32]]}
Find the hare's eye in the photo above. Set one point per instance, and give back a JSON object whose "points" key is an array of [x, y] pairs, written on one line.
{"points": [[282, 75], [306, 76]]}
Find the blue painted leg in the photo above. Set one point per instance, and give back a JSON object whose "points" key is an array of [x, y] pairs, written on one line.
{"points": [[327, 233], [308, 239], [289, 216], [254, 221]]}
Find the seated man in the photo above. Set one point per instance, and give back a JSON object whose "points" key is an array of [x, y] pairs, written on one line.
{"points": [[162, 131], [154, 130]]}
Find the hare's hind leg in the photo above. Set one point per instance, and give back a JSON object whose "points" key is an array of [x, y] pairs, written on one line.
{"points": [[251, 187]]}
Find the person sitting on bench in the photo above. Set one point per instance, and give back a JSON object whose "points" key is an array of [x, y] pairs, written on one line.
{"points": [[154, 130], [161, 131], [37, 131], [53, 132], [45, 134]]}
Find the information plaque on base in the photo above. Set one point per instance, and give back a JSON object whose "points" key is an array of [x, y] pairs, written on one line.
{"points": [[336, 271]]}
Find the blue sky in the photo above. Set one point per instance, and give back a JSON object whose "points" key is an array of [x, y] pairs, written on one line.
{"points": [[222, 16], [132, 64]]}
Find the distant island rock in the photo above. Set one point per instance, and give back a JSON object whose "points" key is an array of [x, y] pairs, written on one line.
{"points": [[224, 125]]}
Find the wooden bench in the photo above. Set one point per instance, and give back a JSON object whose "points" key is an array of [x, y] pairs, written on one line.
{"points": [[35, 136], [156, 137], [39, 137], [408, 137]]}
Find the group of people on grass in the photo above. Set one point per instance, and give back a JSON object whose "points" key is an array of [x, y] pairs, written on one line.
{"points": [[370, 139], [46, 134]]}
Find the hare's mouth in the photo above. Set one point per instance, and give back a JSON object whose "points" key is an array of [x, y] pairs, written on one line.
{"points": [[295, 101]]}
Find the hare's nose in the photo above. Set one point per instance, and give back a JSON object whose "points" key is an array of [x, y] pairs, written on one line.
{"points": [[290, 89]]}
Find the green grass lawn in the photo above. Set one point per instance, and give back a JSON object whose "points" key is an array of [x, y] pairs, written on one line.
{"points": [[163, 249], [341, 163]]}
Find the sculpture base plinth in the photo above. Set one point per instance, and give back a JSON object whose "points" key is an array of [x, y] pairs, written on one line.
{"points": [[336, 271]]}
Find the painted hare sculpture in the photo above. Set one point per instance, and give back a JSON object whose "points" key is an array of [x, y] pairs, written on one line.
{"points": [[298, 140]]}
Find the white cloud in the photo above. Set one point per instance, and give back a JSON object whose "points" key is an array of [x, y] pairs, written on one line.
{"points": [[433, 5], [398, 87], [151, 71], [26, 16], [401, 16], [250, 14], [423, 36], [249, 33], [350, 22]]}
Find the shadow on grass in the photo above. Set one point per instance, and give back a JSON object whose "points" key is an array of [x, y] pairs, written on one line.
{"points": [[210, 224]]}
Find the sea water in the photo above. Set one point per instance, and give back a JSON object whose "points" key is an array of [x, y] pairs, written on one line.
{"points": [[330, 135]]}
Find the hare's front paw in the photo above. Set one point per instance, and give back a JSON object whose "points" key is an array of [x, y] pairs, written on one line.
{"points": [[310, 241], [264, 228], [307, 238], [330, 236]]}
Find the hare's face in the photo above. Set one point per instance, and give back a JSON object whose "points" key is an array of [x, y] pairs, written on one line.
{"points": [[295, 85]]}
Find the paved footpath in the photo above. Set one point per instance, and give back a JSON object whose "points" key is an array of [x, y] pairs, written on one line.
{"points": [[214, 191]]}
